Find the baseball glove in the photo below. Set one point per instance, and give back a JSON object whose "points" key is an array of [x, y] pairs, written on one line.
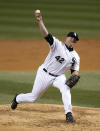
{"points": [[72, 81]]}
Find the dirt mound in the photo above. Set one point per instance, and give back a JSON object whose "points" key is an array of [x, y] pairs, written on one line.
{"points": [[43, 117], [28, 55]]}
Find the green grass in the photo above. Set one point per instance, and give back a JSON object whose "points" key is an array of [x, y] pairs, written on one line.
{"points": [[17, 19], [86, 92]]}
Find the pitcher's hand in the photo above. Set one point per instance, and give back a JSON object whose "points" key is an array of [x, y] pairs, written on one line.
{"points": [[38, 15]]}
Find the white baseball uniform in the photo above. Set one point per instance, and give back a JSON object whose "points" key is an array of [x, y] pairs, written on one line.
{"points": [[51, 72]]}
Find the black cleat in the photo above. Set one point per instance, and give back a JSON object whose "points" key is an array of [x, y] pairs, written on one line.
{"points": [[14, 103], [69, 118]]}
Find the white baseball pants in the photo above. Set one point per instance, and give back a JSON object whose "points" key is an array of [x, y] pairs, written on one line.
{"points": [[42, 81]]}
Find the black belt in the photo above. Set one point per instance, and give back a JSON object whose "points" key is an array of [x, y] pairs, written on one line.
{"points": [[50, 73]]}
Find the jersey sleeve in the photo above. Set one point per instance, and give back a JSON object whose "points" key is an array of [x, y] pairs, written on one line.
{"points": [[76, 65], [53, 42], [49, 39]]}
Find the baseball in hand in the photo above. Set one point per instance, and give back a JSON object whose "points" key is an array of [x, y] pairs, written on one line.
{"points": [[37, 11], [38, 15]]}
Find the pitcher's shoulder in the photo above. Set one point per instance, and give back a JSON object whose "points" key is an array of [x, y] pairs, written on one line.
{"points": [[76, 55]]}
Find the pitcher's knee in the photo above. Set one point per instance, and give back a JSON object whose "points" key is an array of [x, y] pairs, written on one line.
{"points": [[34, 98], [64, 89]]}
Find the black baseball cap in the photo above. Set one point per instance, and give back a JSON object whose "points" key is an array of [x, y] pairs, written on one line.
{"points": [[73, 34]]}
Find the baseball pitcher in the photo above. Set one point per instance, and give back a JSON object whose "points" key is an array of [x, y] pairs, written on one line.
{"points": [[61, 57]]}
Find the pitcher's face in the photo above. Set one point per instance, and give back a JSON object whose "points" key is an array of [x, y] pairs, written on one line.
{"points": [[70, 41]]}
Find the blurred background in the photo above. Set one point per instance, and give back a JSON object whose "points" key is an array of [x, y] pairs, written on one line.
{"points": [[23, 49], [61, 16]]}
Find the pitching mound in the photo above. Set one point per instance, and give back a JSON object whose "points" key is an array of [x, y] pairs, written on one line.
{"points": [[43, 117]]}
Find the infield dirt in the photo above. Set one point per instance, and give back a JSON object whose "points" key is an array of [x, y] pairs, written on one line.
{"points": [[43, 117], [27, 56]]}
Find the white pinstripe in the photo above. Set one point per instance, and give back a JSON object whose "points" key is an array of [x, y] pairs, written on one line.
{"points": [[42, 82]]}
